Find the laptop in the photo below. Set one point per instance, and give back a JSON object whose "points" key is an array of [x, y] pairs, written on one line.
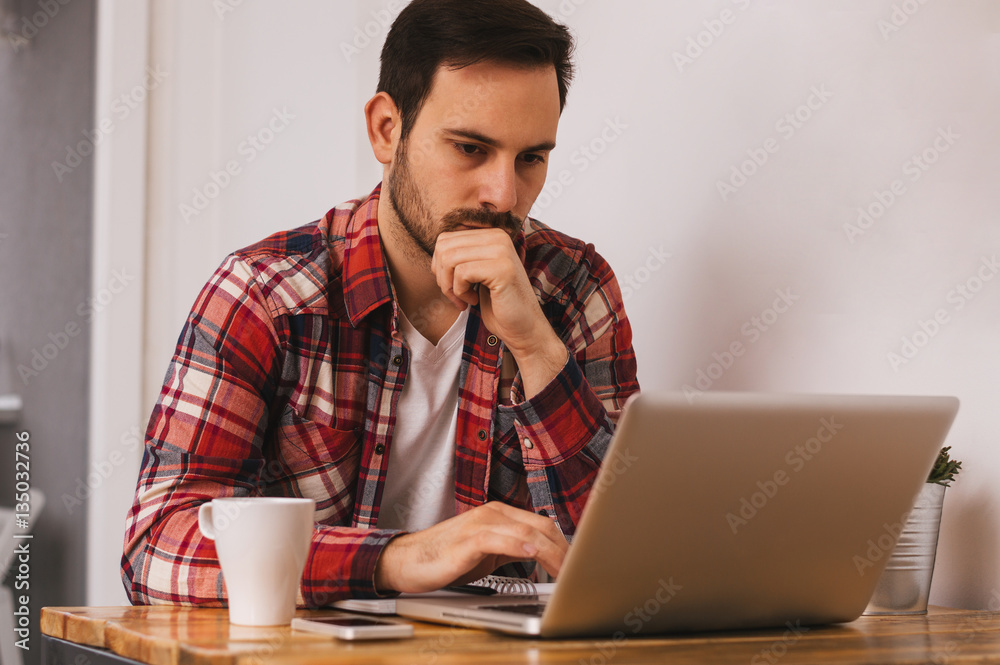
{"points": [[730, 511]]}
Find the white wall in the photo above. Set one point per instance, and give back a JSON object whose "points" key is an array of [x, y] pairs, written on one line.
{"points": [[666, 136]]}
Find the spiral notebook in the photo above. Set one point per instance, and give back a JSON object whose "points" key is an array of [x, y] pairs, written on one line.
{"points": [[491, 585]]}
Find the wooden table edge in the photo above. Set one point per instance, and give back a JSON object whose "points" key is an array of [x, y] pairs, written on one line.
{"points": [[112, 634]]}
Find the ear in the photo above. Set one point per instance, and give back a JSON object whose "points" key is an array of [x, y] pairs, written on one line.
{"points": [[384, 126]]}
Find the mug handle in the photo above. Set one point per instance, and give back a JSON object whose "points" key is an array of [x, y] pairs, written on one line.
{"points": [[205, 520]]}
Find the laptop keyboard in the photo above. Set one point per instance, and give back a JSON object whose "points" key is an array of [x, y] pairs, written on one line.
{"points": [[531, 609]]}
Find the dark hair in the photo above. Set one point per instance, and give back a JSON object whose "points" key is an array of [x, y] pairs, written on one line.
{"points": [[459, 33]]}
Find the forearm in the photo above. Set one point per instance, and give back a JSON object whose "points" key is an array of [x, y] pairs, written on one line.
{"points": [[540, 364], [168, 561]]}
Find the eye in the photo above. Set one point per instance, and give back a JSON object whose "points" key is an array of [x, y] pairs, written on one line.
{"points": [[533, 159], [468, 149]]}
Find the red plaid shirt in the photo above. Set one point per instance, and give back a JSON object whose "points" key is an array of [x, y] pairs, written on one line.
{"points": [[285, 382]]}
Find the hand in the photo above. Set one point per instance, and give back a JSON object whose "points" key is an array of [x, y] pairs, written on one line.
{"points": [[469, 546], [486, 257], [510, 310]]}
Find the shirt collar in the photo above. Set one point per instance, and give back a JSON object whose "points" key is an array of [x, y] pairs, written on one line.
{"points": [[366, 277]]}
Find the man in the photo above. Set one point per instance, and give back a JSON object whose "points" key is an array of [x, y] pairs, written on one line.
{"points": [[439, 372]]}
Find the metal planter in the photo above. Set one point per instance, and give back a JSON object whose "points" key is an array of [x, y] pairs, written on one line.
{"points": [[905, 584]]}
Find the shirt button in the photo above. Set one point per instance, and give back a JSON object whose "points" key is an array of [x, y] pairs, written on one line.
{"points": [[528, 444], [492, 340], [397, 360], [482, 435], [379, 449]]}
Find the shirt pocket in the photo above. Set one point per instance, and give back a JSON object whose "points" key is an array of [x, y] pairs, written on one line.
{"points": [[320, 463]]}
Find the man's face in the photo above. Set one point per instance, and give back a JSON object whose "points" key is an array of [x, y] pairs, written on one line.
{"points": [[477, 153]]}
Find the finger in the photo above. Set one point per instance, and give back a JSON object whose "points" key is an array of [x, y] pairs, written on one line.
{"points": [[532, 544], [511, 546], [452, 252], [459, 251], [459, 304], [466, 277], [551, 562], [444, 275], [441, 270], [465, 258], [538, 533], [544, 525], [476, 237], [450, 256], [458, 301]]}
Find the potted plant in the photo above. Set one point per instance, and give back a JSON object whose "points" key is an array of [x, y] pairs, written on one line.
{"points": [[905, 584]]}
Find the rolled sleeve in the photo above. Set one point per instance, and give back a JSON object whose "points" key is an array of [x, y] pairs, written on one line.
{"points": [[559, 421], [341, 564]]}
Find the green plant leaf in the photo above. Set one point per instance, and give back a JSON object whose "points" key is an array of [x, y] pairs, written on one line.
{"points": [[945, 469]]}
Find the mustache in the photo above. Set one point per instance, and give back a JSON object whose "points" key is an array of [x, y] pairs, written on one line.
{"points": [[508, 222]]}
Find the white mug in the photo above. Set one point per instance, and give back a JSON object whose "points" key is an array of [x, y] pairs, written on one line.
{"points": [[262, 543]]}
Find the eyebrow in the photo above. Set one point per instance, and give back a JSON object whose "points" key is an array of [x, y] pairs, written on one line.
{"points": [[493, 143]]}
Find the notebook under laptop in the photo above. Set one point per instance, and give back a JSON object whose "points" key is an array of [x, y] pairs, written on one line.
{"points": [[734, 510]]}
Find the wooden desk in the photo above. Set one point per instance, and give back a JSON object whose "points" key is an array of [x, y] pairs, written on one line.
{"points": [[183, 636]]}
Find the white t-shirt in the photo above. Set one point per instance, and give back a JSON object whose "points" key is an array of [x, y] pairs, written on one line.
{"points": [[420, 482]]}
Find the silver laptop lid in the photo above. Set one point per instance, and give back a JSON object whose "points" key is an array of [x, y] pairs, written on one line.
{"points": [[739, 510]]}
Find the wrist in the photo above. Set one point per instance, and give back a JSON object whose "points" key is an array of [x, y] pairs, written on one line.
{"points": [[383, 577], [541, 345], [541, 363], [551, 353]]}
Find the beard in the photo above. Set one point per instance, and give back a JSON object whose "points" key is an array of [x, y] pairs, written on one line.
{"points": [[416, 218]]}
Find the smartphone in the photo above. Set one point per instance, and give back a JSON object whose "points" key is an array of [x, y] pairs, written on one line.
{"points": [[354, 628]]}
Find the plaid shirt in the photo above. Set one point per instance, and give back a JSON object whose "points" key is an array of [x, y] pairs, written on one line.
{"points": [[285, 382]]}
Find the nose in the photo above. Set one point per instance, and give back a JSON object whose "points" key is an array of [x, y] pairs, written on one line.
{"points": [[498, 189]]}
